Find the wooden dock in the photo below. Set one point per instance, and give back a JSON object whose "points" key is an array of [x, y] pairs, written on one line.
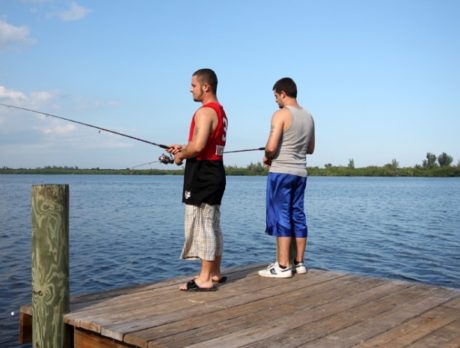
{"points": [[319, 309]]}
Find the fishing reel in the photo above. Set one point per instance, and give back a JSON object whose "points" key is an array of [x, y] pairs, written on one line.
{"points": [[166, 159]]}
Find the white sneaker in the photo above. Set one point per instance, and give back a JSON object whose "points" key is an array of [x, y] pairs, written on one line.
{"points": [[300, 268], [275, 271]]}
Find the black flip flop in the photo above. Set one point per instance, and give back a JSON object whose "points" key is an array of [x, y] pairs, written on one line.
{"points": [[221, 280], [193, 286]]}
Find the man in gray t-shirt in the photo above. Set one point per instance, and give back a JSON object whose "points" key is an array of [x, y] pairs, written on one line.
{"points": [[292, 137]]}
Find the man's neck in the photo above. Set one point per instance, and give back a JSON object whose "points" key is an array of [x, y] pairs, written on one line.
{"points": [[291, 102], [209, 99]]}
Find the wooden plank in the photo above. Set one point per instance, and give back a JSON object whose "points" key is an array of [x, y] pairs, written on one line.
{"points": [[25, 327], [446, 336], [159, 294], [118, 311], [87, 339], [26, 309], [270, 309], [236, 307], [454, 303], [236, 272], [415, 328], [312, 331], [100, 305], [195, 304], [110, 310], [113, 309], [304, 314], [371, 326], [91, 302], [175, 301]]}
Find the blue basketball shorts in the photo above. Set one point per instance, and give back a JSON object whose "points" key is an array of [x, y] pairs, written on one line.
{"points": [[285, 215]]}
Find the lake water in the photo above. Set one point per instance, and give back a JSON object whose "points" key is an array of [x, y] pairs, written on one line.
{"points": [[127, 230]]}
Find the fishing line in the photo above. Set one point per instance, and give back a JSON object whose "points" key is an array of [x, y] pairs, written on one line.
{"points": [[85, 124], [143, 164]]}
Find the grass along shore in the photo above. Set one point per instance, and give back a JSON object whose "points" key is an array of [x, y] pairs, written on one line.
{"points": [[253, 169]]}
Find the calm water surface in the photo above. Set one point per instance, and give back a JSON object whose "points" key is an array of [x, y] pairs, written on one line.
{"points": [[127, 230]]}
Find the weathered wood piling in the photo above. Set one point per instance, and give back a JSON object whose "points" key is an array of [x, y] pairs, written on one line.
{"points": [[50, 265]]}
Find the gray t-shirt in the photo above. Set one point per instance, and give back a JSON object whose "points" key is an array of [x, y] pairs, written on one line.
{"points": [[291, 155]]}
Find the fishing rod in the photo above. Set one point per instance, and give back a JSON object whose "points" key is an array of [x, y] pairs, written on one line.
{"points": [[246, 150], [165, 159], [85, 124], [168, 159]]}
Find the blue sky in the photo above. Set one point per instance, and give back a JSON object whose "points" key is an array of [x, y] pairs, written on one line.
{"points": [[381, 78]]}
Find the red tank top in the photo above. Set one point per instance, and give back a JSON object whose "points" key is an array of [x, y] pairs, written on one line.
{"points": [[214, 149]]}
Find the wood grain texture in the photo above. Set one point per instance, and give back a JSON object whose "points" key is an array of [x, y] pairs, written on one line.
{"points": [[50, 264]]}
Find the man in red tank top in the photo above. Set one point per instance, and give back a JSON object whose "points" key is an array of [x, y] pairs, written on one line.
{"points": [[204, 182]]}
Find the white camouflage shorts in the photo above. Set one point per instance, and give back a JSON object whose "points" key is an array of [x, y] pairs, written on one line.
{"points": [[203, 235]]}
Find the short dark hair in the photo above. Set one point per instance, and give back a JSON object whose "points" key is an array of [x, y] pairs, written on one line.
{"points": [[207, 76], [287, 85]]}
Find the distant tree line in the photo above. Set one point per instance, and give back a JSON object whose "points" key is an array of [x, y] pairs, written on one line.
{"points": [[439, 166], [431, 166], [93, 171], [444, 160]]}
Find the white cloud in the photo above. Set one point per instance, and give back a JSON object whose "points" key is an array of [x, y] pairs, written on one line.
{"points": [[42, 96], [21, 125], [74, 13], [9, 117], [11, 35], [58, 129], [11, 95]]}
